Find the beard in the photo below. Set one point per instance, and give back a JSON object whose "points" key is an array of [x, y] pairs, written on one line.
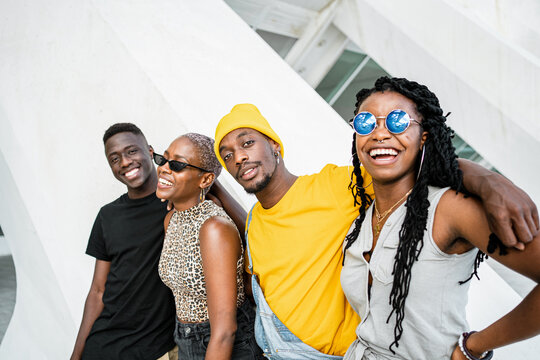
{"points": [[260, 185]]}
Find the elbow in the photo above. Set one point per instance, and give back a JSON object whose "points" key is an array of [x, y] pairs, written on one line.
{"points": [[96, 294], [224, 336]]}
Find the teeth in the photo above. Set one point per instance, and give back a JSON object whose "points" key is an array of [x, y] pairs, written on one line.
{"points": [[131, 172], [376, 152], [249, 171], [164, 182]]}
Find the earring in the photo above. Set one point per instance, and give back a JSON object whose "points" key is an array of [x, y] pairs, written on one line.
{"points": [[277, 157], [421, 162], [201, 196]]}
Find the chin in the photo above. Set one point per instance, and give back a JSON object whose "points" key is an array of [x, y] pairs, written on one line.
{"points": [[164, 195], [257, 187], [136, 183], [252, 190]]}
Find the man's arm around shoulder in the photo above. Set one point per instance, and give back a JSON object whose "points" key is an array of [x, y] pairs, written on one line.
{"points": [[512, 215], [92, 307]]}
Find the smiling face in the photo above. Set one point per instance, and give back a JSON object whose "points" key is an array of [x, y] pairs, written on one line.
{"points": [[386, 156], [250, 158], [183, 188], [130, 159]]}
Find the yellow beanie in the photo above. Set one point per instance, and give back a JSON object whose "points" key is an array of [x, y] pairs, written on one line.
{"points": [[243, 116]]}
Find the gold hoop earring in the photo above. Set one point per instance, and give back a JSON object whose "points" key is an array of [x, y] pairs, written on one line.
{"points": [[201, 196]]}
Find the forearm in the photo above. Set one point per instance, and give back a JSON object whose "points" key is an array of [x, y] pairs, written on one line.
{"points": [[247, 287], [220, 346], [475, 177], [92, 309], [521, 323]]}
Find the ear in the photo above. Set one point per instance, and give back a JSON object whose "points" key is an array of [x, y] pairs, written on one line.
{"points": [[423, 139], [275, 146], [207, 179], [151, 150]]}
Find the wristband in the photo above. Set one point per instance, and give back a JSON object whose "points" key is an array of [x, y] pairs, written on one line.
{"points": [[462, 342]]}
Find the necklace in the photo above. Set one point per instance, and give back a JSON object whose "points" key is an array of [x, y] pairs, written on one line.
{"points": [[380, 217]]}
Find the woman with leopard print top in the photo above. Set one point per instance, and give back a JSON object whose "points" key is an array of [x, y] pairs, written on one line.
{"points": [[202, 257]]}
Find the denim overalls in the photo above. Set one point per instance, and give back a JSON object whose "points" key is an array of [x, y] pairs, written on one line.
{"points": [[274, 338]]}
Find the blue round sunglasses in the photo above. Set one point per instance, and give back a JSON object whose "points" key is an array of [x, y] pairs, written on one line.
{"points": [[396, 122]]}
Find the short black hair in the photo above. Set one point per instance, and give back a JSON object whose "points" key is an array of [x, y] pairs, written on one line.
{"points": [[121, 127], [207, 156]]}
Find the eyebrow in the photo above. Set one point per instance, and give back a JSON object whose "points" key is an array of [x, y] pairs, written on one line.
{"points": [[243, 133], [124, 149]]}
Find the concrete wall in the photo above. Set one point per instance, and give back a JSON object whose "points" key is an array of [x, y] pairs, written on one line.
{"points": [[4, 247], [481, 58], [70, 69]]}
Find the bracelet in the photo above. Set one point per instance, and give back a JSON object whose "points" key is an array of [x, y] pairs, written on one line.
{"points": [[486, 355]]}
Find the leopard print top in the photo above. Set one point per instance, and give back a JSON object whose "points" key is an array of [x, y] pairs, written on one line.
{"points": [[180, 264]]}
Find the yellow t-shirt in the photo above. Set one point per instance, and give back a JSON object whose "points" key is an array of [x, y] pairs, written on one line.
{"points": [[296, 247]]}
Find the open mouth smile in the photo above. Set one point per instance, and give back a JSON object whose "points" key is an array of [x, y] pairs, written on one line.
{"points": [[132, 173], [383, 154], [163, 183]]}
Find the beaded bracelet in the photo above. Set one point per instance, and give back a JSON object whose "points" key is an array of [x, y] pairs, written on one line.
{"points": [[487, 355]]}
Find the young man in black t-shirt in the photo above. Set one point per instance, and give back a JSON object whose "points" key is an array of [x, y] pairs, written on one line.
{"points": [[129, 313]]}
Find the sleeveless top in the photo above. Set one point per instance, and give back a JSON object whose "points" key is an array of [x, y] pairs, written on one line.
{"points": [[180, 264], [435, 305]]}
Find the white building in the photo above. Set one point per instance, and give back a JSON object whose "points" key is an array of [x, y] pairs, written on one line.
{"points": [[69, 69]]}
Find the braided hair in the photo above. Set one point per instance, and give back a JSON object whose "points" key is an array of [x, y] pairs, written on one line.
{"points": [[440, 168]]}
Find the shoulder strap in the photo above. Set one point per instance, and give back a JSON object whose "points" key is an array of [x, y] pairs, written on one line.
{"points": [[250, 265]]}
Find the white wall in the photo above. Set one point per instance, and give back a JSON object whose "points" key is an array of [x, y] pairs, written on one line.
{"points": [[481, 58], [70, 69], [4, 247]]}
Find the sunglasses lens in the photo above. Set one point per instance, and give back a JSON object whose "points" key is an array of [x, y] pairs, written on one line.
{"points": [[397, 121], [159, 159], [364, 123], [176, 166]]}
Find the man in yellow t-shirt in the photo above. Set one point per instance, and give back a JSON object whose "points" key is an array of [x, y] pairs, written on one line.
{"points": [[296, 230], [295, 233]]}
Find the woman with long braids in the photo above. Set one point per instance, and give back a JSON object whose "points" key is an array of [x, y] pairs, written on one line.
{"points": [[412, 252]]}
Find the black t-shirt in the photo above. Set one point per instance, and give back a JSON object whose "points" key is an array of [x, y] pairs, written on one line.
{"points": [[137, 321]]}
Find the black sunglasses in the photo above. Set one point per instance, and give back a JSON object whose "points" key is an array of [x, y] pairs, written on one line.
{"points": [[174, 165]]}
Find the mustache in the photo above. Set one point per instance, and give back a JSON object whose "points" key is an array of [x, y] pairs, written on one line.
{"points": [[246, 164]]}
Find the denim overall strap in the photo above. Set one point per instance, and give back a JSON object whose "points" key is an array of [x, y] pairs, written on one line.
{"points": [[274, 338], [250, 263]]}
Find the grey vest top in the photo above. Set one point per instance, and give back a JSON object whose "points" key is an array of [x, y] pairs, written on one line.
{"points": [[435, 305]]}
